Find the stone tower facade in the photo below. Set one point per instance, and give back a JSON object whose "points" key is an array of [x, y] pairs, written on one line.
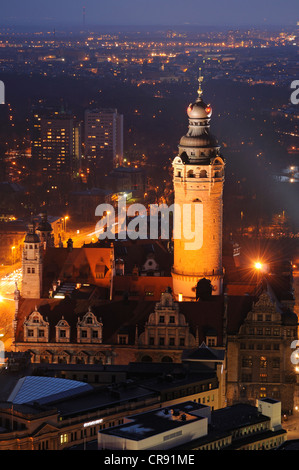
{"points": [[198, 178], [32, 265]]}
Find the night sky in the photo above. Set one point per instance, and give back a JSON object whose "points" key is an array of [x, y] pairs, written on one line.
{"points": [[218, 13]]}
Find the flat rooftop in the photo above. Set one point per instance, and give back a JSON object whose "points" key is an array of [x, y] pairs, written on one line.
{"points": [[145, 425]]}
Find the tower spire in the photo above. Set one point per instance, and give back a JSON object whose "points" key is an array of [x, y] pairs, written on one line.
{"points": [[200, 80]]}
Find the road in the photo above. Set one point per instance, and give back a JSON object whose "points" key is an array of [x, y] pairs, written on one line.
{"points": [[9, 276]]}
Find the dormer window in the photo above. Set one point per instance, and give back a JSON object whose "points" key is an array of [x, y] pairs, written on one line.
{"points": [[122, 339]]}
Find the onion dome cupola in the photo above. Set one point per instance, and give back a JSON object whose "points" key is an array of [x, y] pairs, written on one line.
{"points": [[44, 225], [45, 230], [31, 235], [198, 145]]}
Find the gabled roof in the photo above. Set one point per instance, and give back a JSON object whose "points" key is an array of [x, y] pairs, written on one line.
{"points": [[205, 353]]}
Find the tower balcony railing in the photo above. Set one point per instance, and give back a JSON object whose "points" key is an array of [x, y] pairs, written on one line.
{"points": [[212, 273]]}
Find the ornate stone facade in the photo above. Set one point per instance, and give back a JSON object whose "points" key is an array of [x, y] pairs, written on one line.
{"points": [[259, 355]]}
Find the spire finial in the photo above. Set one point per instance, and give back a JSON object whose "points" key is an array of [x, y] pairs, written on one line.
{"points": [[200, 80]]}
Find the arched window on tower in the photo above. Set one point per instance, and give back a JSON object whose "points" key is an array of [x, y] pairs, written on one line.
{"points": [[203, 174], [218, 174], [190, 174]]}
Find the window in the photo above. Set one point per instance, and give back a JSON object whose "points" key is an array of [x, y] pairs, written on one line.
{"points": [[211, 341], [182, 341], [41, 333], [276, 362], [30, 333], [62, 333], [276, 332], [267, 331], [259, 331], [171, 342], [83, 334], [151, 341], [94, 333], [263, 392], [63, 438], [260, 317], [247, 361], [263, 377], [122, 339], [161, 319], [246, 377], [263, 362], [171, 319], [161, 341]]}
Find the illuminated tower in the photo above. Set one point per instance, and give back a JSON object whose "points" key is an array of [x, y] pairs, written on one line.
{"points": [[198, 177], [32, 265]]}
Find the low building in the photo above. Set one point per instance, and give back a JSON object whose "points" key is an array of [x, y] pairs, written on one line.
{"points": [[46, 412], [191, 426], [157, 429]]}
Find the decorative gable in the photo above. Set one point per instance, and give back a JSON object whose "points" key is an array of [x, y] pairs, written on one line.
{"points": [[89, 329], [36, 329]]}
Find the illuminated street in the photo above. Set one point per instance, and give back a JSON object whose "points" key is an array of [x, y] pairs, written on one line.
{"points": [[7, 306]]}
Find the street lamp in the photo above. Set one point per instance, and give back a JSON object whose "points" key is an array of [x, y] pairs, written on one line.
{"points": [[65, 219], [258, 266]]}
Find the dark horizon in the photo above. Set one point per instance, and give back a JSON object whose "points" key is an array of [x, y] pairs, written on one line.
{"points": [[155, 13], [188, 28]]}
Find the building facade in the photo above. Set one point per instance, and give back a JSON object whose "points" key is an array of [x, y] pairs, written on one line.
{"points": [[259, 355], [103, 139]]}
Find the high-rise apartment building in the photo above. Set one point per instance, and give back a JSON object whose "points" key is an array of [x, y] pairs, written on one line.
{"points": [[103, 139], [55, 142]]}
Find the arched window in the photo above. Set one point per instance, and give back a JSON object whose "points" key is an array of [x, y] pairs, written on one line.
{"points": [[190, 174], [166, 359], [146, 359], [203, 174]]}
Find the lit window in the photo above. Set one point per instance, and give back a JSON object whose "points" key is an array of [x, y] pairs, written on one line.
{"points": [[63, 438]]}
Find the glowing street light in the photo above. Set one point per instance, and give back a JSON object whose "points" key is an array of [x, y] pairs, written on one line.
{"points": [[65, 219], [258, 266]]}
